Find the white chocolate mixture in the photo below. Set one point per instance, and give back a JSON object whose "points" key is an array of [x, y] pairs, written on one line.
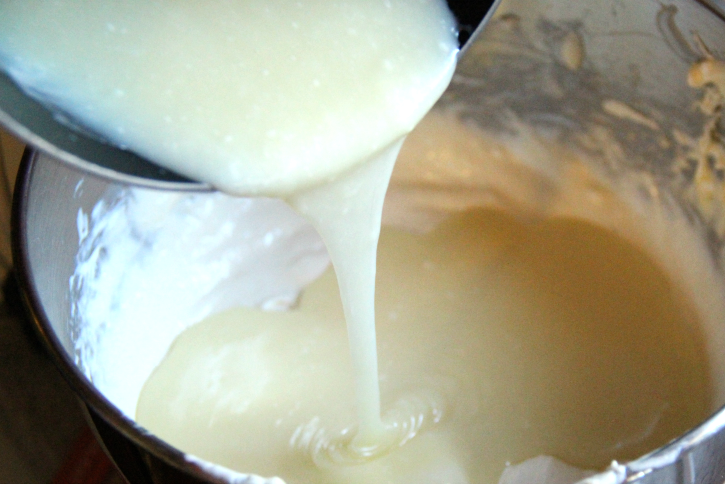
{"points": [[312, 108], [254, 97], [503, 338]]}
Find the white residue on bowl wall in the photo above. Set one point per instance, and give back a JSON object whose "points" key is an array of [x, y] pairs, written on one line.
{"points": [[151, 264]]}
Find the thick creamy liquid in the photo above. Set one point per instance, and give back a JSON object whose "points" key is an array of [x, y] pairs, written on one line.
{"points": [[254, 97], [502, 337], [347, 214], [305, 100]]}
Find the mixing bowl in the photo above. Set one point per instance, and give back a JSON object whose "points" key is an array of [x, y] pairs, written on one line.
{"points": [[629, 84]]}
